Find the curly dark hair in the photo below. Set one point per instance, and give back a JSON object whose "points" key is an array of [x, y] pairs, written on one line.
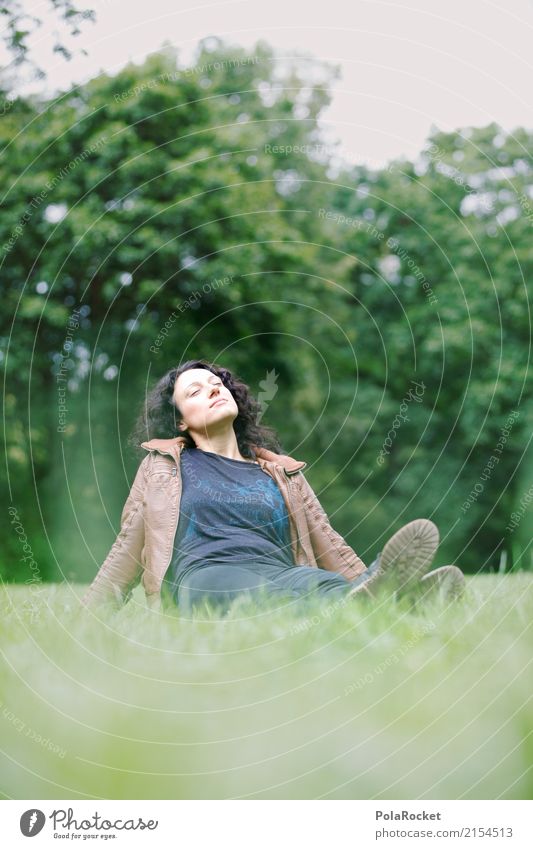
{"points": [[160, 416]]}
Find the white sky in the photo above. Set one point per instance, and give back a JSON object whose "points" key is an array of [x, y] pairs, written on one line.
{"points": [[405, 66]]}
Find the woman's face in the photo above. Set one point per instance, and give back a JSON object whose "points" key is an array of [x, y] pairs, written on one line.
{"points": [[204, 402]]}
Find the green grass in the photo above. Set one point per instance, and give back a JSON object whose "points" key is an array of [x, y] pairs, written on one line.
{"points": [[327, 701]]}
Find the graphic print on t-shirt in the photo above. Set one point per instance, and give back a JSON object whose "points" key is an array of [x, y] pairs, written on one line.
{"points": [[230, 511]]}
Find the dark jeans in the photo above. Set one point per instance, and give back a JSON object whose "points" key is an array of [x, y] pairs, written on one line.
{"points": [[220, 583]]}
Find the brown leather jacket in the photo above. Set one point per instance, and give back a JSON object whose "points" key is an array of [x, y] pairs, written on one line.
{"points": [[143, 548]]}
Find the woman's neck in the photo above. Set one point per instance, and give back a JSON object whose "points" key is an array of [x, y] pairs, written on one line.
{"points": [[224, 444]]}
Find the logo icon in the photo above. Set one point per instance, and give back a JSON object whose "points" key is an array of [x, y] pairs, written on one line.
{"points": [[32, 822]]}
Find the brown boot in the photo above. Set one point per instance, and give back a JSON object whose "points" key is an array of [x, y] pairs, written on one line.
{"points": [[446, 583], [404, 559]]}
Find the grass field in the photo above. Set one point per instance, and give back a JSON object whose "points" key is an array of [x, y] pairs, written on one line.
{"points": [[332, 700]]}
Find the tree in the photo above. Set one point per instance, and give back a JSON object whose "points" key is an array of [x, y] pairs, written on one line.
{"points": [[444, 269], [19, 25], [173, 212], [125, 198]]}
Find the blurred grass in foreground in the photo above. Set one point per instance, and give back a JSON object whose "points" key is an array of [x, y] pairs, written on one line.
{"points": [[321, 701]]}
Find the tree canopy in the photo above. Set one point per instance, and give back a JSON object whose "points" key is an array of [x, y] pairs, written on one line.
{"points": [[171, 212]]}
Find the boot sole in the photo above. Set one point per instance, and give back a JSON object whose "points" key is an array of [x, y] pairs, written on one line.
{"points": [[447, 582], [408, 554]]}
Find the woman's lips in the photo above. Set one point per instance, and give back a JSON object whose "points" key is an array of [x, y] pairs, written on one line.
{"points": [[220, 401]]}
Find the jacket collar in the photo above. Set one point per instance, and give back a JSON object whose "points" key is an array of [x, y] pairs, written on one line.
{"points": [[174, 447]]}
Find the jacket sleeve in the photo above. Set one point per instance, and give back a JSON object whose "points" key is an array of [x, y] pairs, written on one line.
{"points": [[122, 568], [331, 551]]}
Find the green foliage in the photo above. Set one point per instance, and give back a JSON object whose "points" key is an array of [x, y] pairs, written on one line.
{"points": [[444, 269], [128, 195], [18, 24]]}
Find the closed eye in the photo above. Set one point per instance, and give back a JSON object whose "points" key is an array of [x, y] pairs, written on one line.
{"points": [[197, 390]]}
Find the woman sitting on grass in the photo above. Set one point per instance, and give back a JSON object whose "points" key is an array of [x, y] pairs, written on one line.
{"points": [[216, 510]]}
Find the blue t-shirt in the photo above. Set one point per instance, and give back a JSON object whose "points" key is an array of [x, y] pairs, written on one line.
{"points": [[231, 511]]}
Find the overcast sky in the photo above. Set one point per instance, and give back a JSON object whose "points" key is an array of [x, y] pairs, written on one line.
{"points": [[405, 66]]}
